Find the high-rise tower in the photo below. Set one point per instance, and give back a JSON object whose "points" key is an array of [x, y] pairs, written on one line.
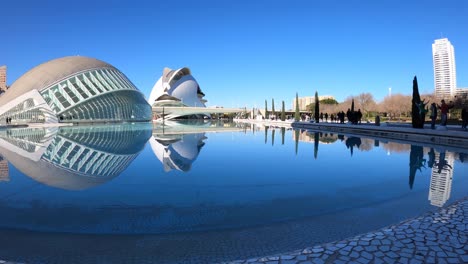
{"points": [[445, 78], [3, 77]]}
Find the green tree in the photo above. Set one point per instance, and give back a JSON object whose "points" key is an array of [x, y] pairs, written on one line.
{"points": [[266, 110], [329, 101], [297, 115], [283, 113], [317, 108], [273, 108]]}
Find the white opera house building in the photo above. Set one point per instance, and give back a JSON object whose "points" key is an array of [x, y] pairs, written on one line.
{"points": [[178, 88]]}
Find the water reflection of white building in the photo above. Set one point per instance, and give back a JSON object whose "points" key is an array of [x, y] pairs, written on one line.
{"points": [[441, 178], [177, 151], [4, 171], [73, 158]]}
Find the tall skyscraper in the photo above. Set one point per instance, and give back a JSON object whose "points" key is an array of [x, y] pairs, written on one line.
{"points": [[445, 77], [3, 77]]}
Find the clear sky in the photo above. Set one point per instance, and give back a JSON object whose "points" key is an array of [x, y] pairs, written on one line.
{"points": [[243, 52]]}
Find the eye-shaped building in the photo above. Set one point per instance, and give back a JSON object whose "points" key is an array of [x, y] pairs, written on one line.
{"points": [[177, 88], [73, 89]]}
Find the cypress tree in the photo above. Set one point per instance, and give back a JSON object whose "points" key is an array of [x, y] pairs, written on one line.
{"points": [[297, 116], [317, 108], [266, 110], [283, 113], [273, 107], [418, 111]]}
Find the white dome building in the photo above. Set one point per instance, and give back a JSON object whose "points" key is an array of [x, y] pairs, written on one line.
{"points": [[74, 89], [177, 88]]}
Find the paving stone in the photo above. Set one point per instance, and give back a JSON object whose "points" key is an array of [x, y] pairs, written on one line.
{"points": [[432, 238], [388, 260], [403, 260], [391, 254], [366, 255], [415, 261], [358, 248], [354, 254], [318, 261], [318, 250], [453, 260], [289, 262], [362, 260]]}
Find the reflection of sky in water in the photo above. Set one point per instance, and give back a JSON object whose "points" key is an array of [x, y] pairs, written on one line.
{"points": [[241, 180]]}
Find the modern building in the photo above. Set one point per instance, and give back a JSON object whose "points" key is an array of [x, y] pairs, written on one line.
{"points": [[445, 78], [177, 88], [3, 78], [307, 100], [441, 179], [74, 89]]}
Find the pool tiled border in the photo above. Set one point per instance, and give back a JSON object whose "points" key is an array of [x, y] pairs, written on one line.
{"points": [[439, 237]]}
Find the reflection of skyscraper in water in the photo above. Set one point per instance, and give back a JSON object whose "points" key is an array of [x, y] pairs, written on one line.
{"points": [[441, 179], [4, 171]]}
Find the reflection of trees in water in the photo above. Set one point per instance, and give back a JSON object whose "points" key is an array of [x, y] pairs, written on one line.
{"points": [[328, 138], [442, 164], [463, 157], [367, 144], [417, 162], [352, 142], [396, 147], [283, 131], [273, 137], [316, 143], [296, 139]]}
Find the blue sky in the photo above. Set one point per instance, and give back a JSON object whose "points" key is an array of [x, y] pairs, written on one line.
{"points": [[243, 52]]}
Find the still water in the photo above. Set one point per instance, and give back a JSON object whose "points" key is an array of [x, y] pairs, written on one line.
{"points": [[204, 192]]}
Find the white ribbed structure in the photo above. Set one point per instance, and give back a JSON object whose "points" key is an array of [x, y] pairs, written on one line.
{"points": [[441, 179], [445, 78]]}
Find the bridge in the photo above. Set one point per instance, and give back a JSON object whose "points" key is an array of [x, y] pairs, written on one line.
{"points": [[171, 112]]}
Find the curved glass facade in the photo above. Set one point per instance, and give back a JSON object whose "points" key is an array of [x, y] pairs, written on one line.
{"points": [[99, 94]]}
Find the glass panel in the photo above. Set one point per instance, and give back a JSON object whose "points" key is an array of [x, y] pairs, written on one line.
{"points": [[62, 100]]}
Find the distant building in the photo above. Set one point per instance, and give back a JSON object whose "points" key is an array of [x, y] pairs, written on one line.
{"points": [[305, 101], [462, 92], [3, 78], [178, 88], [445, 78]]}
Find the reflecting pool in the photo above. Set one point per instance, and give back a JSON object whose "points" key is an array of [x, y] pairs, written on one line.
{"points": [[207, 191]]}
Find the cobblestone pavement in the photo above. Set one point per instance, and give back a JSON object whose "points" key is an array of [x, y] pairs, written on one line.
{"points": [[439, 237]]}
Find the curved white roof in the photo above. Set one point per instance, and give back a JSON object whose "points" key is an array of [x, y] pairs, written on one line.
{"points": [[48, 73]]}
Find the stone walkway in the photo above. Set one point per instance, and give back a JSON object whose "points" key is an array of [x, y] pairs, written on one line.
{"points": [[439, 237]]}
